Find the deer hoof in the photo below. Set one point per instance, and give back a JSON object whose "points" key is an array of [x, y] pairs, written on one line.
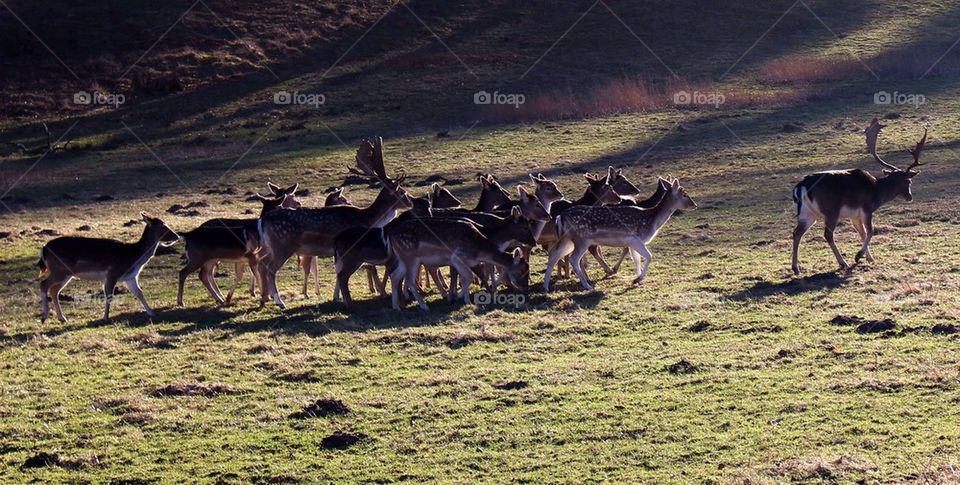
{"points": [[796, 270], [64, 319], [637, 281]]}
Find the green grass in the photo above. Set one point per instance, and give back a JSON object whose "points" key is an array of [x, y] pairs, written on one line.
{"points": [[573, 386], [777, 387]]}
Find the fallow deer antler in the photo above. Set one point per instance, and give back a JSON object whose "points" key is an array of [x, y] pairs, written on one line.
{"points": [[370, 160], [872, 131], [915, 152]]}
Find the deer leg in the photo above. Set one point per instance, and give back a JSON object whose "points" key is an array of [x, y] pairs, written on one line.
{"points": [[831, 227], [641, 250], [438, 279], [803, 225], [866, 234], [453, 286], [108, 286], [578, 251], [411, 282], [623, 256], [270, 265], [55, 293], [44, 294], [598, 255], [465, 273], [237, 277], [396, 279], [184, 273], [134, 286], [306, 265], [254, 272], [316, 276], [206, 277], [559, 250]]}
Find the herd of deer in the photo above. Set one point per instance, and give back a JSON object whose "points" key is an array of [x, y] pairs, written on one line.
{"points": [[489, 244]]}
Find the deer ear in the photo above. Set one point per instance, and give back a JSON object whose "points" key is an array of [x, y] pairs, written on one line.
{"points": [[676, 183], [517, 255], [521, 191], [589, 176], [291, 189], [533, 178], [515, 213], [274, 187]]}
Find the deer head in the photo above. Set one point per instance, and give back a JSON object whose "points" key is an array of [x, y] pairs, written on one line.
{"points": [[677, 196], [335, 197], [601, 189], [441, 198], [517, 275], [157, 230], [531, 207], [896, 178], [545, 189], [620, 183]]}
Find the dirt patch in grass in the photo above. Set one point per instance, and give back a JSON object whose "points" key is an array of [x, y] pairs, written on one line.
{"points": [[511, 385], [682, 367], [863, 325], [944, 329], [322, 408], [699, 326], [44, 459], [194, 389], [816, 468], [151, 340], [340, 440]]}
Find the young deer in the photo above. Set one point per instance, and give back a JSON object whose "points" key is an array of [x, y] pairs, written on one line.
{"points": [[462, 246], [599, 192], [224, 239], [851, 195], [492, 194], [649, 202], [618, 226], [312, 231], [309, 263], [106, 260]]}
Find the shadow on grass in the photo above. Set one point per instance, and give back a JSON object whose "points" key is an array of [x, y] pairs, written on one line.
{"points": [[829, 280]]}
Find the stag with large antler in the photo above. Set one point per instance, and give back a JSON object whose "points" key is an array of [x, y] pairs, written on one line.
{"points": [[851, 195], [311, 231]]}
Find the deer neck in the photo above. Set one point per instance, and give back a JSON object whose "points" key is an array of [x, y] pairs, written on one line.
{"points": [[500, 235], [382, 210], [588, 198], [887, 190], [146, 246], [486, 202], [662, 212]]}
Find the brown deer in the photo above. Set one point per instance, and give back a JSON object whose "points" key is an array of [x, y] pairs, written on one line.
{"points": [[462, 246], [851, 195], [224, 239], [309, 263], [492, 194], [311, 231], [599, 192], [106, 260], [618, 226], [649, 202]]}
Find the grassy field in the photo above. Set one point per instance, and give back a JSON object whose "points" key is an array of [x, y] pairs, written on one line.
{"points": [[721, 368]]}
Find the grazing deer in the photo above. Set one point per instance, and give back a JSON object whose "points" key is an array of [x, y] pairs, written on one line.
{"points": [[461, 246], [851, 195], [618, 226], [224, 239], [312, 231], [309, 263], [492, 194], [106, 260]]}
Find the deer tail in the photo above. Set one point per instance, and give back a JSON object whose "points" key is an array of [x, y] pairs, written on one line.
{"points": [[799, 192], [42, 263]]}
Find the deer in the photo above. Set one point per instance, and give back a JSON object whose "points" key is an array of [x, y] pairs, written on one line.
{"points": [[224, 239], [462, 246], [333, 198], [599, 192], [852, 195], [647, 203], [105, 260], [618, 226], [311, 231], [492, 195]]}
